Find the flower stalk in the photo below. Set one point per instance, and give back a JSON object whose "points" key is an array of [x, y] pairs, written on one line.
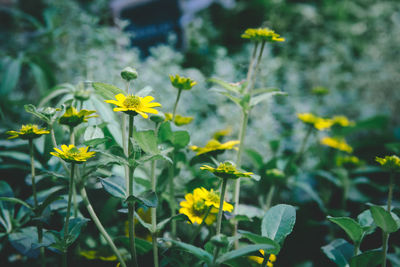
{"points": [[178, 96], [172, 203], [67, 215], [39, 226], [385, 236]]}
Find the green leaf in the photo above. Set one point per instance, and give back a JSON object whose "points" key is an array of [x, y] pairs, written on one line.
{"points": [[367, 258], [278, 222], [163, 223], [264, 96], [147, 198], [257, 239], [350, 226], [269, 249], [97, 141], [40, 77], [180, 139], [23, 241], [339, 251], [255, 157], [147, 141], [142, 246], [50, 199], [32, 109], [234, 99], [384, 219], [165, 132], [107, 91], [146, 225], [16, 200], [56, 91], [74, 229], [115, 186], [366, 221], [228, 86], [264, 90], [10, 74], [92, 132], [195, 251]]}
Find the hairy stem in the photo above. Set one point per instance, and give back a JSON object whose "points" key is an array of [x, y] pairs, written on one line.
{"points": [[154, 210], [385, 236], [270, 195], [176, 104], [67, 215], [72, 142], [172, 203], [100, 226], [131, 205], [221, 205]]}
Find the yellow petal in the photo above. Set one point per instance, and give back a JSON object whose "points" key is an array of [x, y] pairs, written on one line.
{"points": [[147, 99], [120, 97]]}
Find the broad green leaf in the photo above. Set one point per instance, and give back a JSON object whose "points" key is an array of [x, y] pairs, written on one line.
{"points": [[115, 186], [180, 139], [165, 132], [339, 251], [74, 229], [92, 132], [278, 222], [234, 99], [50, 199], [268, 248], [148, 226], [97, 141], [228, 86], [23, 241], [367, 258], [384, 219], [350, 226], [264, 96], [147, 141], [147, 198], [195, 251], [163, 223], [255, 157], [10, 75], [107, 91], [6, 208], [16, 200], [366, 221], [257, 239], [32, 109], [58, 90], [142, 246]]}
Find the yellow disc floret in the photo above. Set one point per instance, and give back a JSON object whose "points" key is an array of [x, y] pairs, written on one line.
{"points": [[134, 105], [73, 154]]}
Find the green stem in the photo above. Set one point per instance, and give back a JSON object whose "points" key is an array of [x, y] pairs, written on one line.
{"points": [[257, 67], [200, 225], [356, 248], [39, 226], [385, 241], [221, 205], [303, 144], [154, 210], [72, 142], [67, 215], [176, 104], [131, 205], [125, 146], [251, 68], [390, 193], [385, 236], [269, 197], [172, 203], [99, 225], [54, 141]]}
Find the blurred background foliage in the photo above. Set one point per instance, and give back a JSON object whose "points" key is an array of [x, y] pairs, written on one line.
{"points": [[351, 48]]}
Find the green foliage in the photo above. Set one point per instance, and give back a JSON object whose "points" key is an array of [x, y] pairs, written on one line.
{"points": [[387, 221], [278, 222]]}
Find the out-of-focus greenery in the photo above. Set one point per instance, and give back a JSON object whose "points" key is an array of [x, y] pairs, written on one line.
{"points": [[347, 47]]}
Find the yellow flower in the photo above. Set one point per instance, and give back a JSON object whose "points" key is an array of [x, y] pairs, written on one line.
{"points": [[221, 133], [212, 199], [342, 121], [95, 255], [179, 120], [73, 154], [214, 145], [262, 34], [391, 163], [348, 161], [317, 122], [134, 105], [194, 206], [29, 131], [226, 170], [73, 118], [337, 143], [259, 260], [182, 83]]}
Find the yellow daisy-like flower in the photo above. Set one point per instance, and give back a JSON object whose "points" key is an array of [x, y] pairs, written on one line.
{"points": [[260, 260], [215, 145], [348, 161], [262, 34], [133, 105], [28, 131], [194, 206], [342, 121], [221, 133], [337, 143], [73, 154], [96, 255], [226, 170], [212, 198], [391, 163], [182, 83], [317, 122], [73, 118], [179, 120]]}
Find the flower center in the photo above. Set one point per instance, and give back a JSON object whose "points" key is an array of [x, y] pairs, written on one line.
{"points": [[132, 101], [198, 208]]}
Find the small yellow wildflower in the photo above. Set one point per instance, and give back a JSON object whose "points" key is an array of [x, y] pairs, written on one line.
{"points": [[212, 199], [318, 122], [391, 163], [348, 161], [262, 34], [260, 260], [28, 131], [194, 206], [226, 170], [337, 143], [73, 154], [95, 255], [221, 133], [133, 105], [73, 118], [179, 120], [182, 83], [342, 121], [214, 145]]}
